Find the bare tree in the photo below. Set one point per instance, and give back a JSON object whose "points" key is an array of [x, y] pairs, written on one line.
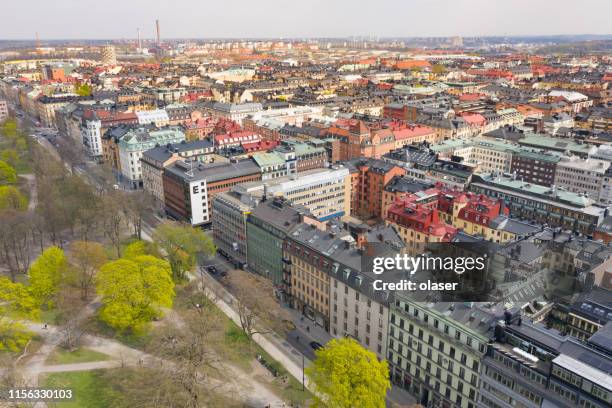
{"points": [[191, 371], [113, 219], [71, 317], [15, 242], [257, 306], [86, 258], [137, 205]]}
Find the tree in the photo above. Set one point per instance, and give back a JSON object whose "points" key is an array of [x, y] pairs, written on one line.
{"points": [[10, 156], [15, 302], [113, 219], [86, 258], [190, 341], [133, 291], [138, 248], [46, 274], [137, 205], [15, 239], [181, 243], [8, 175], [71, 315], [258, 309], [438, 69], [346, 375], [83, 90], [12, 199]]}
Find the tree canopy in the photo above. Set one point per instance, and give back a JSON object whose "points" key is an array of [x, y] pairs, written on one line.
{"points": [[181, 244], [348, 375], [15, 302], [83, 90], [46, 274], [12, 199], [133, 291], [8, 175]]}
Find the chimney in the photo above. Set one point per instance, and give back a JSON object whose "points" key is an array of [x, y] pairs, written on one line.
{"points": [[157, 31], [139, 41]]}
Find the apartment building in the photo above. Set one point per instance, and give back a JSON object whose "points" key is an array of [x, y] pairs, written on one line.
{"points": [[329, 285], [544, 205], [581, 176], [268, 226], [528, 365], [190, 186], [326, 193], [4, 113], [435, 350], [229, 225], [369, 178], [154, 161], [137, 141]]}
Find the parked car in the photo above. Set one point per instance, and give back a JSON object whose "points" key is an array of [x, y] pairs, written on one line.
{"points": [[211, 269], [315, 345]]}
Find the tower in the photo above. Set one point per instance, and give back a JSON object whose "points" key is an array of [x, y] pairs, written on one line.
{"points": [[158, 34], [108, 55], [139, 41]]}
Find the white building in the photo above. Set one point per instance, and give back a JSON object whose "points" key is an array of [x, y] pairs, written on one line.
{"points": [[92, 136], [3, 110], [325, 192], [355, 314], [136, 142], [158, 117], [583, 176]]}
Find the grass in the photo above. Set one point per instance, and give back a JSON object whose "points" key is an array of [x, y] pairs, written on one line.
{"points": [[80, 355], [49, 316], [98, 328], [241, 351], [89, 389]]}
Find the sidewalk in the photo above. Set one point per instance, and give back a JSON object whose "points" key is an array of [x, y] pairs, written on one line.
{"points": [[307, 329], [273, 344]]}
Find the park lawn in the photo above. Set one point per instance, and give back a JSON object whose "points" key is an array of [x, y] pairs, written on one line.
{"points": [[89, 389], [80, 355]]}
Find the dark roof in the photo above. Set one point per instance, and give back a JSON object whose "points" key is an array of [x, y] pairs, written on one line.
{"points": [[163, 153], [407, 185], [213, 171]]}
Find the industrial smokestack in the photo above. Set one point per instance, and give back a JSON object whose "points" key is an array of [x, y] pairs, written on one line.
{"points": [[157, 28], [139, 41]]}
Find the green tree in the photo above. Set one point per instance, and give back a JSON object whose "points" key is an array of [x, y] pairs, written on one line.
{"points": [[181, 244], [138, 248], [8, 175], [347, 375], [15, 302], [9, 128], [10, 156], [46, 275], [133, 291], [438, 69], [12, 199], [83, 90]]}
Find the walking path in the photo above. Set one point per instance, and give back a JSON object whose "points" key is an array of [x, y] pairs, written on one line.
{"points": [[272, 343], [240, 385]]}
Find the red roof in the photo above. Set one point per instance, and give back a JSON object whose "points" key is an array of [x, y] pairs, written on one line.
{"points": [[412, 131], [481, 209]]}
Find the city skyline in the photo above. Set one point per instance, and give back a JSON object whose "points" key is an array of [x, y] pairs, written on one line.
{"points": [[191, 19]]}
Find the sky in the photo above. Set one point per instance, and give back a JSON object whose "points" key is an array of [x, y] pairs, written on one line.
{"points": [[115, 19]]}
